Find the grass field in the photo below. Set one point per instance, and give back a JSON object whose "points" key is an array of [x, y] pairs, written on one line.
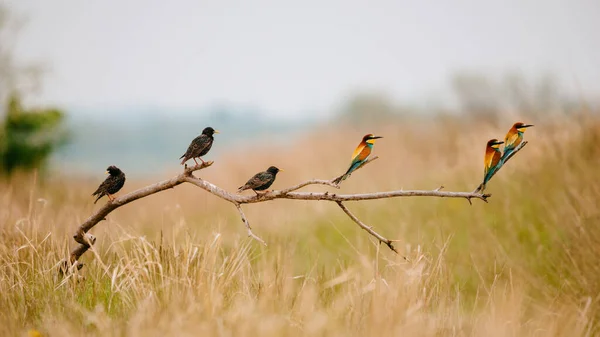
{"points": [[179, 263]]}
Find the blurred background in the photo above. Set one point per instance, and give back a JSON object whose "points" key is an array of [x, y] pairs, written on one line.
{"points": [[88, 84], [135, 82]]}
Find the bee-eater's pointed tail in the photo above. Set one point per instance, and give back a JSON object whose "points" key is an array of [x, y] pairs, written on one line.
{"points": [[480, 188], [340, 179]]}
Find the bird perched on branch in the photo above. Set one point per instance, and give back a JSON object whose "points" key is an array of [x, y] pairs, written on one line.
{"points": [[360, 155], [199, 146], [261, 181], [491, 162], [513, 138], [112, 184]]}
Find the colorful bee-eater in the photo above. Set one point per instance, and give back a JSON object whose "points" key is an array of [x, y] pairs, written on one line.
{"points": [[360, 155], [514, 137], [491, 162]]}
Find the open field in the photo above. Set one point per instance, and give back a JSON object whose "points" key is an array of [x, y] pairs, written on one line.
{"points": [[178, 263]]}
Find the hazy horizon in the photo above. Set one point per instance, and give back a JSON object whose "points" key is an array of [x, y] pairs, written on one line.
{"points": [[301, 59]]}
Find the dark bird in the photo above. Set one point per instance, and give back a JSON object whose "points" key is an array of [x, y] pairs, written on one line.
{"points": [[513, 138], [199, 146], [112, 184], [491, 162], [360, 155], [261, 181]]}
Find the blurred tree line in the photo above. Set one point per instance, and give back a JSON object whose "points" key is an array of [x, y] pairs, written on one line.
{"points": [[489, 98], [27, 136], [476, 97]]}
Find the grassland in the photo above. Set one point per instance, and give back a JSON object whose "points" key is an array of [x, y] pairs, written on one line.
{"points": [[179, 264]]}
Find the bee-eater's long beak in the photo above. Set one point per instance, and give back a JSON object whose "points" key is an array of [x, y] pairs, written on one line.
{"points": [[498, 142], [527, 125], [376, 137]]}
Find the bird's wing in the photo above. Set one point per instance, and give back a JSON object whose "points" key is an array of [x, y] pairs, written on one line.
{"points": [[116, 184], [258, 180], [496, 158], [489, 156], [511, 141], [203, 142], [196, 145], [103, 186], [359, 149], [492, 160]]}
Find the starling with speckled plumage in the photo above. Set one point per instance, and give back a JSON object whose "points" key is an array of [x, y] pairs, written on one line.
{"points": [[112, 184], [199, 146], [261, 181]]}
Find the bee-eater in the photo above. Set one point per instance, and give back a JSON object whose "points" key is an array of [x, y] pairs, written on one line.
{"points": [[360, 155], [514, 137], [491, 162]]}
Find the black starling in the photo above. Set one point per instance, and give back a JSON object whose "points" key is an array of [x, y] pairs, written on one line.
{"points": [[112, 184], [261, 181], [199, 146]]}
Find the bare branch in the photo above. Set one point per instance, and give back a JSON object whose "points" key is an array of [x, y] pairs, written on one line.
{"points": [[86, 240], [110, 206], [245, 221], [249, 199], [369, 229], [310, 182]]}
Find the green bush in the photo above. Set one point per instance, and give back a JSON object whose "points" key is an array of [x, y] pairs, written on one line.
{"points": [[28, 137]]}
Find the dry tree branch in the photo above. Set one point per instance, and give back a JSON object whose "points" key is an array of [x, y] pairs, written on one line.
{"points": [[245, 221], [369, 229], [86, 240]]}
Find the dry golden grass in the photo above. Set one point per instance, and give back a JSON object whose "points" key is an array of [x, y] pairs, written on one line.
{"points": [[178, 263]]}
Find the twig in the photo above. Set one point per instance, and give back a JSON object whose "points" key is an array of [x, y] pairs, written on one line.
{"points": [[245, 221], [369, 229], [310, 182], [187, 176]]}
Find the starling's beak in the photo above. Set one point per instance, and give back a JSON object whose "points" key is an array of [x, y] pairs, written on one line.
{"points": [[217, 131], [281, 170], [106, 172]]}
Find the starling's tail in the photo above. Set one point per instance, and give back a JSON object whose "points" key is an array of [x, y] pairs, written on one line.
{"points": [[99, 196], [184, 159], [241, 188]]}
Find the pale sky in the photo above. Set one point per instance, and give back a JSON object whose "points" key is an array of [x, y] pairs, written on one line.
{"points": [[296, 57]]}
